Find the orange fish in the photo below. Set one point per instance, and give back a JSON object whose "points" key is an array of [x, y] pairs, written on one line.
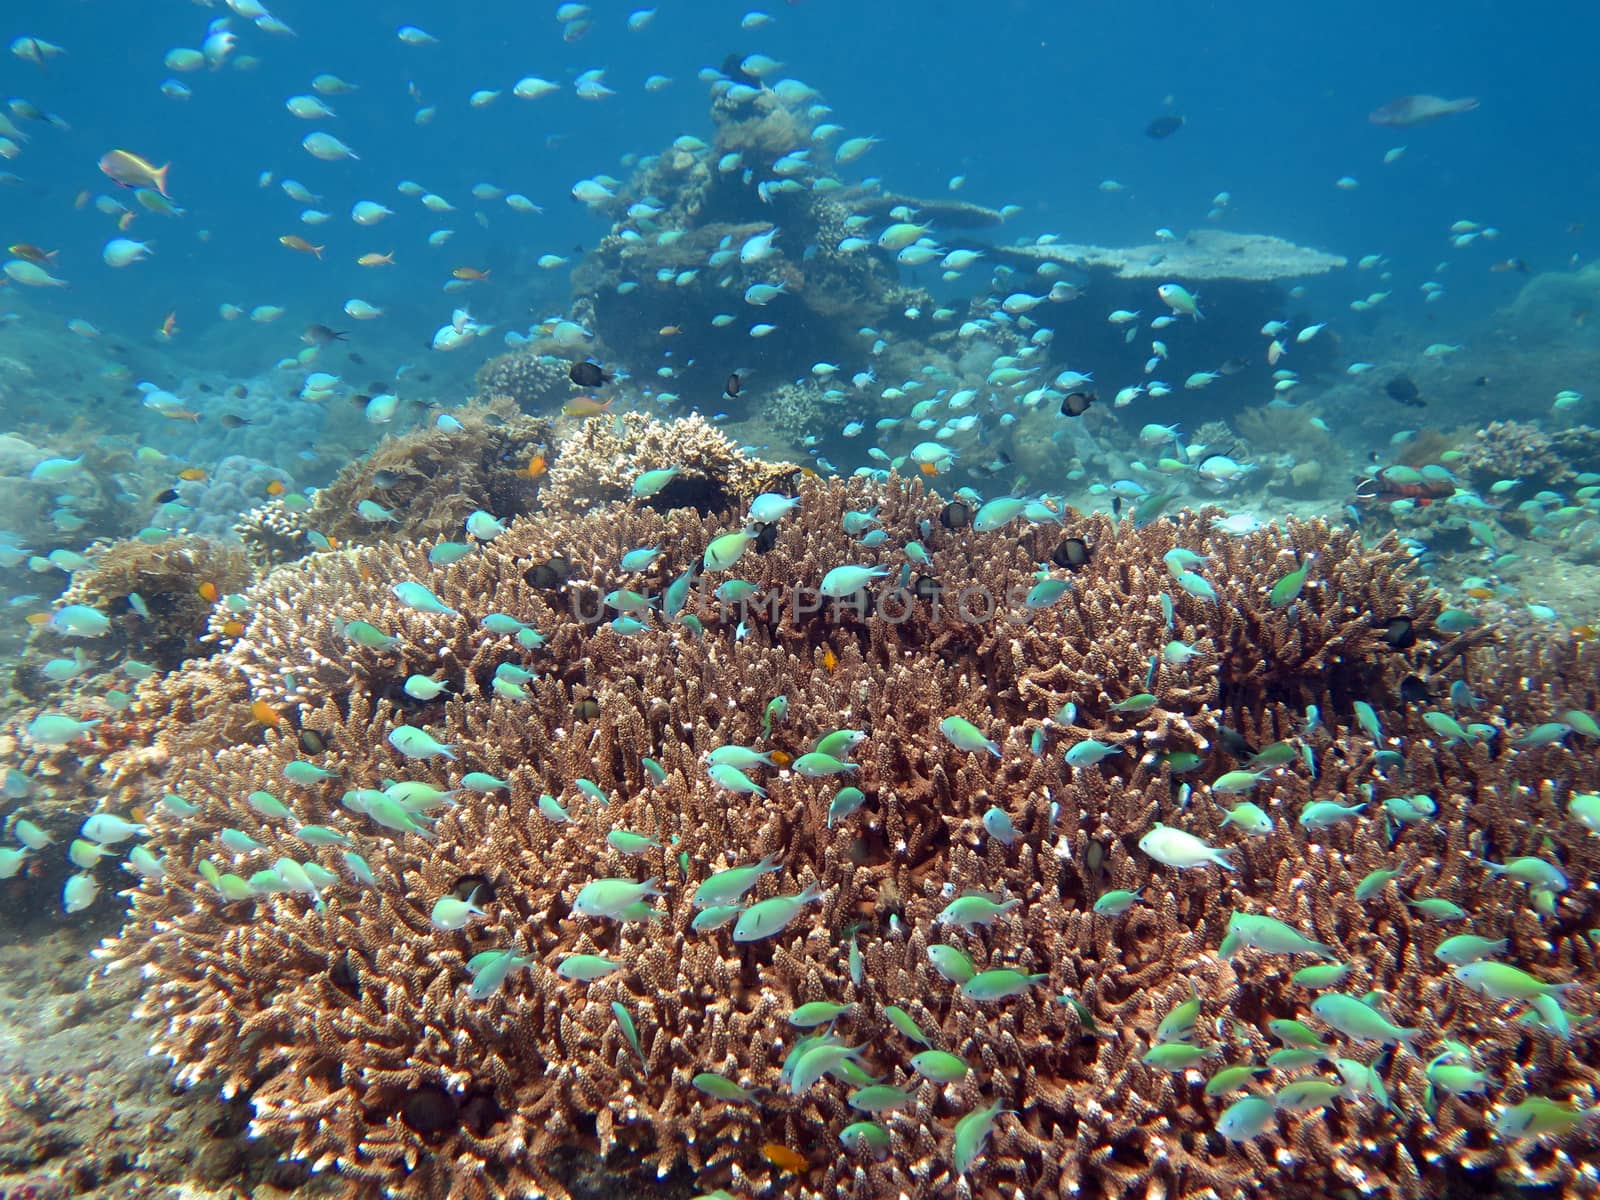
{"points": [[784, 1158], [169, 326], [585, 406], [376, 260], [537, 465], [264, 714], [276, 488], [295, 242], [125, 220], [830, 660], [131, 171], [471, 273], [41, 258], [928, 468], [209, 592], [780, 759], [37, 618], [192, 474], [1480, 593], [670, 330], [1583, 632], [233, 628]]}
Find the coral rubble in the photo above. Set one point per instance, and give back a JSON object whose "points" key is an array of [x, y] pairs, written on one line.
{"points": [[338, 998]]}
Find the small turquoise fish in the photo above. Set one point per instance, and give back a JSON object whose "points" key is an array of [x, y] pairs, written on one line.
{"points": [[1000, 983], [414, 595]]}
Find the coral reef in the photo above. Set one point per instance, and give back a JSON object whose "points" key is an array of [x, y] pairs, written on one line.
{"points": [[652, 294], [1518, 450], [1301, 453], [273, 533], [601, 458], [211, 506], [1550, 309], [535, 379], [158, 595], [431, 479], [336, 995]]}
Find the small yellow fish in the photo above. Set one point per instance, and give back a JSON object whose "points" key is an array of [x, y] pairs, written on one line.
{"points": [[585, 406], [470, 273], [830, 660], [537, 465], [131, 171], [1480, 593], [209, 592], [264, 714], [670, 330], [276, 488], [40, 258], [784, 1158], [295, 242], [376, 260], [232, 628], [192, 474]]}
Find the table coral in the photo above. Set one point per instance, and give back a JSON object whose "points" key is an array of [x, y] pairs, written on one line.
{"points": [[347, 1016]]}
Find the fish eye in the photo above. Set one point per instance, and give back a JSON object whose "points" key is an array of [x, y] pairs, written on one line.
{"points": [[949, 889]]}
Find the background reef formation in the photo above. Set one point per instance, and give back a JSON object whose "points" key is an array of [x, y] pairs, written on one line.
{"points": [[349, 1022]]}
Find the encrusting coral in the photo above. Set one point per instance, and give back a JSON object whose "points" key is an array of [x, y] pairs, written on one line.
{"points": [[347, 1016]]}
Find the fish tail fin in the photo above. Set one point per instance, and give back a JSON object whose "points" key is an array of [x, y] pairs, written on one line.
{"points": [[159, 178]]}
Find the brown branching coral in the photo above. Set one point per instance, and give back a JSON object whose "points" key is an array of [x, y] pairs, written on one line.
{"points": [[1517, 450], [349, 1015], [601, 459]]}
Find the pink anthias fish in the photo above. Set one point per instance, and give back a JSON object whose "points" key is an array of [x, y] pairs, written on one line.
{"points": [[1418, 110]]}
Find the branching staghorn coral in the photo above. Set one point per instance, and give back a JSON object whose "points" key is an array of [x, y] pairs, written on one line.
{"points": [[348, 1017]]}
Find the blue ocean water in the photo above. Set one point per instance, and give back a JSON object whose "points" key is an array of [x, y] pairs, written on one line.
{"points": [[1035, 103]]}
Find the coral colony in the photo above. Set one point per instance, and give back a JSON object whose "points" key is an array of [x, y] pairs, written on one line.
{"points": [[1015, 851]]}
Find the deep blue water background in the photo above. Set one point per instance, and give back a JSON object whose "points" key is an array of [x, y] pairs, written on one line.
{"points": [[1035, 102]]}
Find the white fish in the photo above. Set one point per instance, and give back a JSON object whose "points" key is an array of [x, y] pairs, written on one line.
{"points": [[1181, 849], [758, 246], [327, 147], [122, 252]]}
